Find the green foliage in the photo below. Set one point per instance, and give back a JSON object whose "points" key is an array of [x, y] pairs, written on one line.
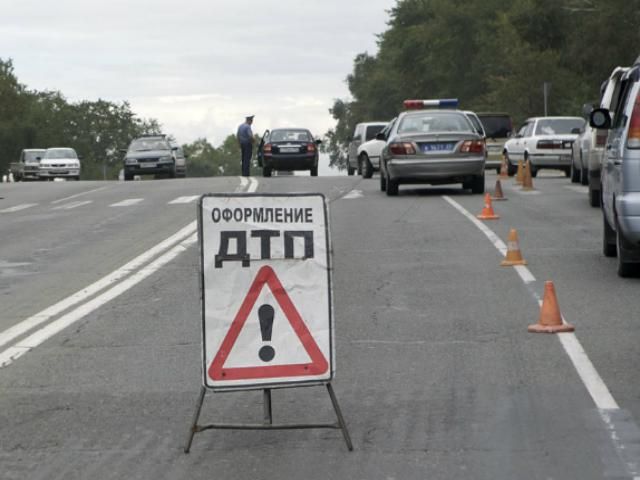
{"points": [[491, 54], [205, 160]]}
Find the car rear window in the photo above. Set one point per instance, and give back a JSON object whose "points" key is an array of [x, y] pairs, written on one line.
{"points": [[554, 126], [496, 126], [429, 122], [372, 131], [290, 136]]}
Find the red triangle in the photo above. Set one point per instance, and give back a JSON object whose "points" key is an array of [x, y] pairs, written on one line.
{"points": [[318, 365]]}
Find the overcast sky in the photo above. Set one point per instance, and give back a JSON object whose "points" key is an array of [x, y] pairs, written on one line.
{"points": [[198, 66]]}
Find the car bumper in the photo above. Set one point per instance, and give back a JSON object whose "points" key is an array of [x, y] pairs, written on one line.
{"points": [[148, 169], [435, 170], [551, 160], [628, 209], [290, 162], [58, 172]]}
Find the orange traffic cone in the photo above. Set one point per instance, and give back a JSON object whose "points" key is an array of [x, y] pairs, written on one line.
{"points": [[513, 256], [504, 171], [520, 173], [527, 182], [487, 211], [550, 320], [497, 192]]}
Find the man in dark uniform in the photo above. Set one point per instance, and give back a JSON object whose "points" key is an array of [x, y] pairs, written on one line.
{"points": [[245, 139]]}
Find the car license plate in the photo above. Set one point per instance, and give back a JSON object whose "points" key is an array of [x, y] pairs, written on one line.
{"points": [[289, 149], [147, 165], [437, 147]]}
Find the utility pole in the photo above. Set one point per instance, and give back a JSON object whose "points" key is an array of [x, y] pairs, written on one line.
{"points": [[546, 88]]}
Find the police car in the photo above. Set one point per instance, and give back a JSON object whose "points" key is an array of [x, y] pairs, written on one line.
{"points": [[432, 142]]}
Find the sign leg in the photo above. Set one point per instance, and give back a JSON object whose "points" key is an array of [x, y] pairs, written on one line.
{"points": [[341, 422], [268, 413], [194, 423]]}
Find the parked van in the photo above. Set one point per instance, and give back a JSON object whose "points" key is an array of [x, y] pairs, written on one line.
{"points": [[620, 176]]}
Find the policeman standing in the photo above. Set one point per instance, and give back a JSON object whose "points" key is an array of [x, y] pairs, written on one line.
{"points": [[245, 139]]}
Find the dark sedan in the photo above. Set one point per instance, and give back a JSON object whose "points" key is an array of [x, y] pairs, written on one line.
{"points": [[288, 149]]}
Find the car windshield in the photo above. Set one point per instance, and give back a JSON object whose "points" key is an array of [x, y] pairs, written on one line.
{"points": [[60, 153], [290, 136], [496, 126], [33, 156], [372, 131], [430, 122], [145, 144], [553, 126]]}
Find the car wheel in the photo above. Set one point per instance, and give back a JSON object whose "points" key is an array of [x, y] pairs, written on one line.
{"points": [[498, 170], [584, 176], [477, 184], [534, 171], [314, 171], [383, 181], [365, 166], [567, 172], [511, 169], [594, 197], [609, 248], [575, 174], [625, 267], [128, 177], [350, 170], [392, 187], [266, 171]]}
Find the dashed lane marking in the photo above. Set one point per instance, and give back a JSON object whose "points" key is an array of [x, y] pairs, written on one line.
{"points": [[77, 195], [17, 208], [127, 203], [353, 194], [577, 188], [187, 199], [72, 205]]}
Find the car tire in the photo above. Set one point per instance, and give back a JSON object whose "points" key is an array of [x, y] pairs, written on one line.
{"points": [[567, 172], [350, 170], [594, 197], [584, 176], [314, 171], [477, 184], [266, 172], [625, 267], [498, 170], [511, 169], [365, 166], [534, 171], [383, 182], [392, 187], [128, 177], [575, 174], [609, 248]]}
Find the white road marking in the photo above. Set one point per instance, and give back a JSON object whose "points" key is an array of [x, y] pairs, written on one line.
{"points": [[577, 188], [586, 371], [17, 208], [72, 205], [188, 199], [244, 181], [353, 194], [525, 274], [525, 192], [77, 195], [127, 203]]}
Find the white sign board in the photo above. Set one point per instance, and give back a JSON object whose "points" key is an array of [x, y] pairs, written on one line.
{"points": [[266, 290]]}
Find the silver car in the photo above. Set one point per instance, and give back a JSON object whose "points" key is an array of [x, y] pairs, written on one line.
{"points": [[60, 163], [620, 174], [433, 147]]}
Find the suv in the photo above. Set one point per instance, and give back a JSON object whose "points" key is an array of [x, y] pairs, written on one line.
{"points": [[28, 165], [363, 133], [153, 154], [498, 127], [620, 175]]}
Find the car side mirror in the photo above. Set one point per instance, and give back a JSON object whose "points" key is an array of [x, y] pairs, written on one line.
{"points": [[600, 118], [79, 157], [174, 148], [123, 150], [380, 136], [576, 131], [318, 142]]}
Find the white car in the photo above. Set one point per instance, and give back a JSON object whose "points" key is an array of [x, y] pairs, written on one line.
{"points": [[363, 133], [368, 153], [546, 142], [60, 163]]}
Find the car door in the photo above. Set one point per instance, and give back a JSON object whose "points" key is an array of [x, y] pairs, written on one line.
{"points": [[612, 168], [358, 135], [516, 149]]}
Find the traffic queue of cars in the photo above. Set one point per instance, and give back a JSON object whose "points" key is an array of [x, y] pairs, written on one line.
{"points": [[41, 164]]}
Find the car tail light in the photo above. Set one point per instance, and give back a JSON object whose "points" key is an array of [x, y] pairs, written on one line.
{"points": [[267, 148], [601, 138], [311, 147], [472, 146], [633, 137], [549, 144], [402, 148]]}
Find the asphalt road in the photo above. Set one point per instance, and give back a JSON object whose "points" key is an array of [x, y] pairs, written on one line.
{"points": [[436, 373]]}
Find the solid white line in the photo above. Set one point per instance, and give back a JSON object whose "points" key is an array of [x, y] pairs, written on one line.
{"points": [[16, 351], [17, 208], [77, 195], [72, 205], [525, 274], [106, 281], [586, 371], [180, 200], [127, 203]]}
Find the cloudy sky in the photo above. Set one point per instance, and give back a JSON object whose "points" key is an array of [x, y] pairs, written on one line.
{"points": [[198, 66]]}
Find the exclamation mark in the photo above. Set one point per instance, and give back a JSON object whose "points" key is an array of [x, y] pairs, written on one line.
{"points": [[266, 313]]}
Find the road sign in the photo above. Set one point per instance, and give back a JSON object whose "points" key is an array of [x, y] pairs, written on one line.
{"points": [[266, 299]]}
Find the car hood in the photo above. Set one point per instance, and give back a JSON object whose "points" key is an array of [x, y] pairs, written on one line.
{"points": [[149, 154]]}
